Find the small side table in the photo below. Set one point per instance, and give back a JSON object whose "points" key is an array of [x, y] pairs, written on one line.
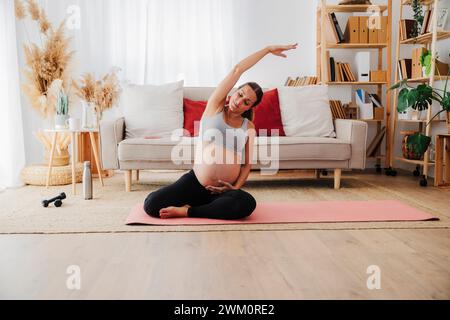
{"points": [[442, 163], [73, 134]]}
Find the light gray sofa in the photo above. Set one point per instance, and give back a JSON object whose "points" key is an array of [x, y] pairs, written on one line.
{"points": [[346, 151]]}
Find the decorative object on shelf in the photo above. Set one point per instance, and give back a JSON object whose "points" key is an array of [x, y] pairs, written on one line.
{"points": [[414, 145], [416, 6], [99, 95], [46, 64], [62, 110], [442, 19]]}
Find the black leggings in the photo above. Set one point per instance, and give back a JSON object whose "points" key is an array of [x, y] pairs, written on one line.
{"points": [[230, 205]]}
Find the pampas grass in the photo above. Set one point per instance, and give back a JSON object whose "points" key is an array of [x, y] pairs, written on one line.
{"points": [[33, 9], [103, 93], [19, 10], [46, 64]]}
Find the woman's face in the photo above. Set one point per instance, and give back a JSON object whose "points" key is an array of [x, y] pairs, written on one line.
{"points": [[242, 100]]}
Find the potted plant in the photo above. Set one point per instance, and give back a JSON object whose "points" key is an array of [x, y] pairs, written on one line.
{"points": [[420, 98], [62, 110], [425, 62]]}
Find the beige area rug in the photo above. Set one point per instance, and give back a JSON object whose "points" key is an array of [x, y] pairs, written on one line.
{"points": [[21, 211]]}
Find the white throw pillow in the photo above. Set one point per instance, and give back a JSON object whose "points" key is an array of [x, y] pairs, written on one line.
{"points": [[305, 111], [151, 110]]}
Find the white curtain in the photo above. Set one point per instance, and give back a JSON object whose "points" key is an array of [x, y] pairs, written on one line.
{"points": [[151, 41], [12, 154]]}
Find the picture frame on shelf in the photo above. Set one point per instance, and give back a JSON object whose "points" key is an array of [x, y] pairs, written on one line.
{"points": [[442, 19]]}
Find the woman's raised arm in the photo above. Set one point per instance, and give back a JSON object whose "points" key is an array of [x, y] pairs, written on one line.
{"points": [[217, 100]]}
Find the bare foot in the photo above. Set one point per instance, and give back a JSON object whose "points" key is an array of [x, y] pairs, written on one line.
{"points": [[174, 212]]}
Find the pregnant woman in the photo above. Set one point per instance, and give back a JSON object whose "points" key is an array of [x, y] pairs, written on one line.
{"points": [[223, 153]]}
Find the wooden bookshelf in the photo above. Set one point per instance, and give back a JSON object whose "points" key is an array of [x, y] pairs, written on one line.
{"points": [[419, 121], [383, 54], [348, 83], [419, 162], [424, 2], [427, 38], [429, 41], [352, 8], [427, 79], [355, 45]]}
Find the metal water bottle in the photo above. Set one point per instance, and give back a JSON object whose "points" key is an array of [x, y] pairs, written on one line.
{"points": [[87, 181]]}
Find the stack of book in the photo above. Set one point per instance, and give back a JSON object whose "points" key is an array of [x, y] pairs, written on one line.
{"points": [[300, 81], [339, 71], [337, 110], [404, 69]]}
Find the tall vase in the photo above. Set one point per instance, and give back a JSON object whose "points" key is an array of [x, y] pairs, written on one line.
{"points": [[88, 118]]}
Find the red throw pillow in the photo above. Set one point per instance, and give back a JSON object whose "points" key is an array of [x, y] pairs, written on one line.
{"points": [[193, 111], [268, 115]]}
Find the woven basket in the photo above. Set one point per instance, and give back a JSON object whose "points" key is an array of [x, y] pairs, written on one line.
{"points": [[59, 160], [36, 175]]}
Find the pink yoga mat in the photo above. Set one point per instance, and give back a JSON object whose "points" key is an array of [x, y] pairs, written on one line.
{"points": [[310, 211]]}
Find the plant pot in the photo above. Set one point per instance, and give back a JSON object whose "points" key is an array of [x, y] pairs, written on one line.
{"points": [[415, 145], [60, 121], [59, 160]]}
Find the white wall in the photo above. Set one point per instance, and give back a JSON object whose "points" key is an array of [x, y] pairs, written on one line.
{"points": [[258, 23]]}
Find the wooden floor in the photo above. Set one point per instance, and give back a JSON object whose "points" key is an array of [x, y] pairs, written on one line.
{"points": [[414, 264], [295, 264]]}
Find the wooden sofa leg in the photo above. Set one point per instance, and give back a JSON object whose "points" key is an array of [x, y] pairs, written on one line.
{"points": [[128, 180], [137, 175], [317, 174], [337, 178]]}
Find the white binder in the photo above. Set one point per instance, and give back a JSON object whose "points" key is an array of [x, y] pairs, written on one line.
{"points": [[363, 66]]}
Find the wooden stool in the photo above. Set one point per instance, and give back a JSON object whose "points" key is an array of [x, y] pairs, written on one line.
{"points": [[442, 170]]}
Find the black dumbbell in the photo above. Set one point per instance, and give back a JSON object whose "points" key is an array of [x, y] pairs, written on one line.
{"points": [[57, 200]]}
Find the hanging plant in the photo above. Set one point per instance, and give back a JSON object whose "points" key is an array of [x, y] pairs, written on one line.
{"points": [[418, 17]]}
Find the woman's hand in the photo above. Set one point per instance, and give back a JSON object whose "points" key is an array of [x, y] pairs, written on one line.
{"points": [[225, 187], [278, 50]]}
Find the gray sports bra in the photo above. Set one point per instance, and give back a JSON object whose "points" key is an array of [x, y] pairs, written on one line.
{"points": [[215, 129]]}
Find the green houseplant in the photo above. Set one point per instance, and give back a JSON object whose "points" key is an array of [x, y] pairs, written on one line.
{"points": [[425, 62], [420, 98], [62, 110]]}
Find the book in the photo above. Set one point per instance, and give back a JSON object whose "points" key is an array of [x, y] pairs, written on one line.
{"points": [[338, 29], [375, 99], [332, 70], [406, 68], [333, 29], [407, 26]]}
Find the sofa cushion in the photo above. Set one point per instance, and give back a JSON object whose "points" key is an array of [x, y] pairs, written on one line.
{"points": [[193, 112], [151, 110], [305, 111], [304, 148], [268, 115], [290, 148]]}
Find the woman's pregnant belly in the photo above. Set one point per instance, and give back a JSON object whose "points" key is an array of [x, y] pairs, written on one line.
{"points": [[214, 162]]}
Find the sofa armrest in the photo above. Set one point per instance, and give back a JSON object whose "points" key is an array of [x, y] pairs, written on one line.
{"points": [[355, 132], [111, 134]]}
